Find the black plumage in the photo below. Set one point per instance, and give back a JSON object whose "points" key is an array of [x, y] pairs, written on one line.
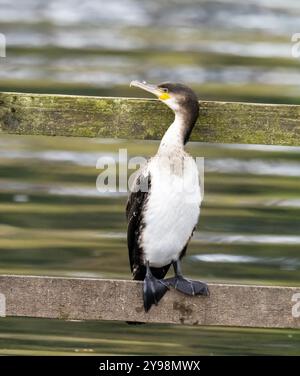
{"points": [[134, 213]]}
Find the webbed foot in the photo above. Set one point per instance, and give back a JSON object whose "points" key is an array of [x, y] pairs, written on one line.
{"points": [[184, 285], [187, 286], [154, 289]]}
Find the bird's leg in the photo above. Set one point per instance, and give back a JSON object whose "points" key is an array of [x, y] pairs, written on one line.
{"points": [[154, 289], [184, 285]]}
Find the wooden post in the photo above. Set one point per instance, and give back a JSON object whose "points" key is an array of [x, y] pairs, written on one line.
{"points": [[223, 122], [96, 299]]}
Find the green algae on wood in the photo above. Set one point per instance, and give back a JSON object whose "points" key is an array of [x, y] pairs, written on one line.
{"points": [[222, 122]]}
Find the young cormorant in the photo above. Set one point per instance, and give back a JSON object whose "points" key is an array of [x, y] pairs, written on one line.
{"points": [[164, 204]]}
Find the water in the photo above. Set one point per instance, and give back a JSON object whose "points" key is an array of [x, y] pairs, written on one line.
{"points": [[53, 221], [53, 215], [225, 49]]}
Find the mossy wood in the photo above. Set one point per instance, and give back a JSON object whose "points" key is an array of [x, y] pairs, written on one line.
{"points": [[99, 299], [222, 122]]}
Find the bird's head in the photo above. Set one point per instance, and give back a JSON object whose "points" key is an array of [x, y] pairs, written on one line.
{"points": [[180, 98]]}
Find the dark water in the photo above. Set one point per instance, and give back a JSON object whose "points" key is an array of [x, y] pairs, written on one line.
{"points": [[54, 222]]}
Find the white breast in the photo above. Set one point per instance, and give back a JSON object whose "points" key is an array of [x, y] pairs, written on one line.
{"points": [[172, 209]]}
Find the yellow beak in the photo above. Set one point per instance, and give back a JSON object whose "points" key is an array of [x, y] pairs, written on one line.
{"points": [[154, 89]]}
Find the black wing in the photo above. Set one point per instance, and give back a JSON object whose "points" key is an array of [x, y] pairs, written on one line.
{"points": [[134, 210], [134, 213]]}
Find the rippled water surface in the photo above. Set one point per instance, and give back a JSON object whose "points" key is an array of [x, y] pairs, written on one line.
{"points": [[53, 221], [225, 49]]}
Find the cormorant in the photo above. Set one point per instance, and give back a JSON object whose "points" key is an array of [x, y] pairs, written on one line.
{"points": [[164, 204]]}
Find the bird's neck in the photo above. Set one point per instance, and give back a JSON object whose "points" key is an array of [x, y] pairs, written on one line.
{"points": [[175, 136]]}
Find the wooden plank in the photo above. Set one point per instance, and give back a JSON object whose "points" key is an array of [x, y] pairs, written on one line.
{"points": [[96, 299], [223, 122]]}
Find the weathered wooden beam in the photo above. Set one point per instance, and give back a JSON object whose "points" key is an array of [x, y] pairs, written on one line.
{"points": [[223, 122], [96, 299]]}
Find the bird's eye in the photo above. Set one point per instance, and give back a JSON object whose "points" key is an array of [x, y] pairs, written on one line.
{"points": [[165, 90]]}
